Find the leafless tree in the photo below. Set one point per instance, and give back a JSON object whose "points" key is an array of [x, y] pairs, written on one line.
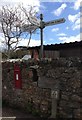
{"points": [[12, 21]]}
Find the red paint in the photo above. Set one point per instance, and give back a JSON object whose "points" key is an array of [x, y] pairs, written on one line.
{"points": [[17, 77]]}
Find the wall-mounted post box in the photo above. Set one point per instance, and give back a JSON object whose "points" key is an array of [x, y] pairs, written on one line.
{"points": [[17, 77]]}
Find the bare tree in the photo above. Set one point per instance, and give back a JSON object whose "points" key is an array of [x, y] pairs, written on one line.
{"points": [[31, 28], [12, 20]]}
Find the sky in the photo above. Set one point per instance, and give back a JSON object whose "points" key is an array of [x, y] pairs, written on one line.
{"points": [[69, 31]]}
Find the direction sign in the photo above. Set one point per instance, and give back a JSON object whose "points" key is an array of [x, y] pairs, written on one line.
{"points": [[34, 20], [54, 22], [29, 28]]}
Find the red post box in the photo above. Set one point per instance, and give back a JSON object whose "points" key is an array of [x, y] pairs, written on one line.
{"points": [[17, 77]]}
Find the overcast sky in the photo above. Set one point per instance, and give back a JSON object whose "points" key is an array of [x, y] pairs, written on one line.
{"points": [[61, 33]]}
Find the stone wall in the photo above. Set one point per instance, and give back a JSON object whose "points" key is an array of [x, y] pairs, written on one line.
{"points": [[64, 75], [31, 97], [61, 74]]}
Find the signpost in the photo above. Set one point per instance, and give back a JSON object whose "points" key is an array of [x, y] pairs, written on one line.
{"points": [[29, 28], [41, 24], [34, 20], [44, 24], [54, 22], [36, 23]]}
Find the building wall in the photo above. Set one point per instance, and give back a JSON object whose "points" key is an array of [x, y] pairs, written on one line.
{"points": [[62, 52], [51, 54], [70, 52]]}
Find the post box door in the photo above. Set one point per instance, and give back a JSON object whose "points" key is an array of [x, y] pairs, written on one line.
{"points": [[17, 77]]}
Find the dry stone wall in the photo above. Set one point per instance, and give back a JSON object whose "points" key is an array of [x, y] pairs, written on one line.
{"points": [[61, 74]]}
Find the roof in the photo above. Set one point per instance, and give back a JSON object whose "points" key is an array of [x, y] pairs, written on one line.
{"points": [[56, 46]]}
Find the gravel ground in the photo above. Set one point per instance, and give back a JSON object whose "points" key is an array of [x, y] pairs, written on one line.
{"points": [[11, 113]]}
